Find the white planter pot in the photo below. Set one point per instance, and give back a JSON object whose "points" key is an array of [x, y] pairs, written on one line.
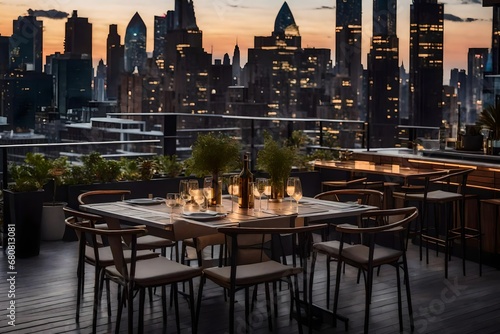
{"points": [[53, 225]]}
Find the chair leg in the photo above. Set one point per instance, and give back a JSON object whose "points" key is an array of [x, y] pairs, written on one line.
{"points": [[164, 303], [191, 307], [142, 298], [198, 303], [108, 297], [121, 301], [96, 299], [130, 297], [247, 310], [408, 291], [176, 303], [400, 311], [337, 290], [81, 283], [328, 279], [311, 282], [368, 298], [268, 308]]}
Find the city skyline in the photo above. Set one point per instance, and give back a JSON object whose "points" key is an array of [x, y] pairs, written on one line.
{"points": [[225, 22]]}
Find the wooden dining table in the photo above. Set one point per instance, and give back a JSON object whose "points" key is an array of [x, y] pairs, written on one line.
{"points": [[173, 224]]}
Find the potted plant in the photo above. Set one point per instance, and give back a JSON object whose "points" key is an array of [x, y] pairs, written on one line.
{"points": [[213, 154], [23, 202], [277, 160], [168, 165], [52, 225]]}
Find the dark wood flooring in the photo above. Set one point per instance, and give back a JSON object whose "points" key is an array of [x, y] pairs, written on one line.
{"points": [[45, 300]]}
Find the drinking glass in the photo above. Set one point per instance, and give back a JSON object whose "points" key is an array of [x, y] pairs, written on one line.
{"points": [[260, 187], [267, 192], [290, 187], [171, 201], [297, 194], [184, 191], [208, 189], [193, 186], [232, 186], [199, 198]]}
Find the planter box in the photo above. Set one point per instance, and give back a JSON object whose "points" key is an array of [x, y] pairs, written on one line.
{"points": [[24, 211]]}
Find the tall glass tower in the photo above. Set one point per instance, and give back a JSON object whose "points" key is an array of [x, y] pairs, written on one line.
{"points": [[114, 62], [348, 54], [426, 62], [26, 43], [135, 45], [383, 76]]}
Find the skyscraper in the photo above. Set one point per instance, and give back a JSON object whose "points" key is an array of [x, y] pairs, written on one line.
{"points": [[383, 76], [4, 54], [273, 75], [26, 43], [476, 66], [426, 62], [160, 38], [236, 66], [135, 45], [114, 62], [186, 58], [100, 82], [348, 55], [78, 37]]}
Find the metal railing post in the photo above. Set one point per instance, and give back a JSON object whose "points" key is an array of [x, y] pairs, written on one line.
{"points": [[170, 134]]}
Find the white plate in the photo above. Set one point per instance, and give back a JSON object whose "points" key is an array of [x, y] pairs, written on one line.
{"points": [[145, 201], [206, 215]]}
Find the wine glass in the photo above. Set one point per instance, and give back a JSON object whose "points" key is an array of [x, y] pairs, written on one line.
{"points": [[290, 187], [267, 192], [260, 187], [297, 194], [199, 198], [232, 187], [184, 191], [208, 189], [171, 201]]}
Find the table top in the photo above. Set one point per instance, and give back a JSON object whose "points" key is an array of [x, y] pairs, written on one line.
{"points": [[372, 168], [158, 215]]}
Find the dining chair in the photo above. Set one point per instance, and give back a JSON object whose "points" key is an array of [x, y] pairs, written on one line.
{"points": [[368, 255], [134, 275], [145, 242], [257, 256], [330, 248], [92, 250]]}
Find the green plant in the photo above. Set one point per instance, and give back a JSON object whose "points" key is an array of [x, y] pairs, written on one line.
{"points": [[213, 154], [130, 169], [98, 169], [169, 165], [58, 173], [490, 117], [276, 159], [32, 175]]}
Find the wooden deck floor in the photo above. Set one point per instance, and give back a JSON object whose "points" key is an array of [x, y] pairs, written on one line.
{"points": [[45, 300]]}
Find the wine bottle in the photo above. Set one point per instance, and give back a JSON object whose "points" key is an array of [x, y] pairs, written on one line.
{"points": [[245, 198]]}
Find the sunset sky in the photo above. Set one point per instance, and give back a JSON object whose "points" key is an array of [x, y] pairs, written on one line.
{"points": [[467, 23]]}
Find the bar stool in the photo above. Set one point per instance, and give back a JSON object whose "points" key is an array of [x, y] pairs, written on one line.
{"points": [[455, 228], [496, 203]]}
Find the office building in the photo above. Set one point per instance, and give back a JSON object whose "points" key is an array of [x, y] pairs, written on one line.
{"points": [[135, 45], [476, 66], [114, 62], [23, 94], [4, 54], [383, 76], [160, 38], [272, 68], [26, 44], [236, 66], [348, 57], [78, 36], [72, 84], [100, 82], [426, 62]]}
